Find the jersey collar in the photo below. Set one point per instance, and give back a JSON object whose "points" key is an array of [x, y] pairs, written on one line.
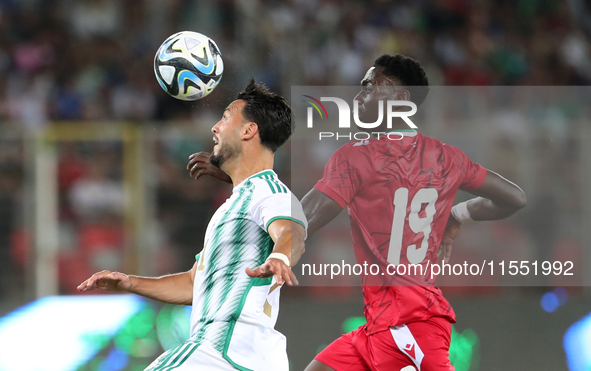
{"points": [[405, 132], [257, 175]]}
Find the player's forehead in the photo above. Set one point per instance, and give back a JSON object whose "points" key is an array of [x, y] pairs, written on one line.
{"points": [[235, 108], [376, 76]]}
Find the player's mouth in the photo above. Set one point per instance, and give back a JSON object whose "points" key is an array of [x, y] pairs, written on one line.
{"points": [[215, 141], [361, 108]]}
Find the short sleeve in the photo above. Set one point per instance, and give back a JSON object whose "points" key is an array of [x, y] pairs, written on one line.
{"points": [[340, 180], [473, 174], [281, 206]]}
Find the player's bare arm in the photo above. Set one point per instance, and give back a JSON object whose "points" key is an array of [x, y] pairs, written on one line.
{"points": [[452, 229], [319, 209], [173, 288], [199, 165], [289, 239], [499, 198]]}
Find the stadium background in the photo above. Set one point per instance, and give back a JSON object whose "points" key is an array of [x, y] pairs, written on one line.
{"points": [[87, 134]]}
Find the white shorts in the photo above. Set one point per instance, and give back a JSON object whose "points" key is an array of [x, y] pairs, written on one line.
{"points": [[190, 356]]}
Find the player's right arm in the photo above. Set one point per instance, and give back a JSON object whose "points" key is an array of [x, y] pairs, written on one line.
{"points": [[173, 288], [319, 210]]}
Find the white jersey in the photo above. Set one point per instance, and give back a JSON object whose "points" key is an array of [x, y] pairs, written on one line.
{"points": [[233, 313]]}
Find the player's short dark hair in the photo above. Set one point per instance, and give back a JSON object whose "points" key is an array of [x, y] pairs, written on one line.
{"points": [[408, 72], [270, 112]]}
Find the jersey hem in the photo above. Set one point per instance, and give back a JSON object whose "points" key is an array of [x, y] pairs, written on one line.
{"points": [[481, 175]]}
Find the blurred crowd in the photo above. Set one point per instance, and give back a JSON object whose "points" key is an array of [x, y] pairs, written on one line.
{"points": [[92, 60]]}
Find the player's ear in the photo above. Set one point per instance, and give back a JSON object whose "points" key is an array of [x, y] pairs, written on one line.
{"points": [[249, 130], [402, 95]]}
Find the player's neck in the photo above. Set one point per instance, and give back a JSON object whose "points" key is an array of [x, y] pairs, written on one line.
{"points": [[399, 125], [396, 125], [248, 163]]}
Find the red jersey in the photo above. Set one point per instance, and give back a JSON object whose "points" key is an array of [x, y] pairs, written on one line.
{"points": [[399, 195]]}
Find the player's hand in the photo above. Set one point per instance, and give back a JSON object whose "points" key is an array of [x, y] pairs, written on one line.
{"points": [[452, 229], [199, 165], [106, 280], [276, 268]]}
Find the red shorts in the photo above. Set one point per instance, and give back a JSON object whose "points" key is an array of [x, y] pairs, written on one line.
{"points": [[422, 346]]}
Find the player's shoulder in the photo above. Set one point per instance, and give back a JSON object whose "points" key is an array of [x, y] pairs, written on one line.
{"points": [[267, 183], [433, 142], [355, 148]]}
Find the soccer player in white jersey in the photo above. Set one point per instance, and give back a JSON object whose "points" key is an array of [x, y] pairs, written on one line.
{"points": [[250, 244]]}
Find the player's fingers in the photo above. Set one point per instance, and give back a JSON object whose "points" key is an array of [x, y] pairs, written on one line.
{"points": [[278, 278], [194, 169], [94, 281], [200, 169], [192, 162], [88, 285], [287, 276], [293, 277], [447, 257], [199, 154], [195, 158], [197, 175], [257, 273], [252, 273], [82, 286]]}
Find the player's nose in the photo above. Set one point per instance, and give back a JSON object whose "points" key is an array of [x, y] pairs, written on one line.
{"points": [[215, 129], [359, 97]]}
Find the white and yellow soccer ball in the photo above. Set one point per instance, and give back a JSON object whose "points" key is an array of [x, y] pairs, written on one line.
{"points": [[188, 65]]}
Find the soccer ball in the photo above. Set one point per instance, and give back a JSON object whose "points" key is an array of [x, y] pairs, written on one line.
{"points": [[188, 65]]}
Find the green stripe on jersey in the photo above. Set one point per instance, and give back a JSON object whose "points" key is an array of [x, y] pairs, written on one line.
{"points": [[237, 242], [273, 182], [270, 185], [284, 217]]}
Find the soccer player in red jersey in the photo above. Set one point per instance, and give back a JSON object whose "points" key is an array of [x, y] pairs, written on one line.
{"points": [[400, 192]]}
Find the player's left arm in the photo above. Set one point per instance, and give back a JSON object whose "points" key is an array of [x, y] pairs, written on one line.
{"points": [[498, 198], [289, 239], [319, 209]]}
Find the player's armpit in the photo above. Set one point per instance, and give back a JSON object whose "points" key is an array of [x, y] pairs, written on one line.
{"points": [[319, 209], [499, 198], [192, 272]]}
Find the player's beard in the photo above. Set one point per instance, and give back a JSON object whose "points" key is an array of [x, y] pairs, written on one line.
{"points": [[225, 153]]}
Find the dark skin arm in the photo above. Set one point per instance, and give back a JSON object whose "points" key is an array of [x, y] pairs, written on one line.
{"points": [[499, 198], [199, 165], [319, 209]]}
